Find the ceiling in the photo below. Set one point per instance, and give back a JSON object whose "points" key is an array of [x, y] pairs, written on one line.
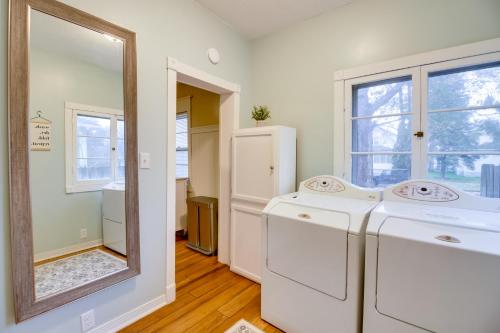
{"points": [[61, 37], [256, 18]]}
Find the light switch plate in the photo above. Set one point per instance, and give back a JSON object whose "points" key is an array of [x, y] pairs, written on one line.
{"points": [[144, 160], [87, 320]]}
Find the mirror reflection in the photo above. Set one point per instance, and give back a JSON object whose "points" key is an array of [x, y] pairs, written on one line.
{"points": [[77, 155]]}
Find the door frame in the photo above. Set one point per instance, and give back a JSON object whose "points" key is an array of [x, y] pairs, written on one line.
{"points": [[229, 112]]}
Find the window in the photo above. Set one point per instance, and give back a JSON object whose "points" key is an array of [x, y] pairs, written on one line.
{"points": [[95, 147], [463, 126], [181, 142], [381, 132], [438, 121]]}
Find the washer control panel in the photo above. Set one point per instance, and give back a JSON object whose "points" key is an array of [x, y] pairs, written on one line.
{"points": [[324, 184], [425, 191]]}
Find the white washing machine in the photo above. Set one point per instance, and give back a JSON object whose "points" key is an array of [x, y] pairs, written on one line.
{"points": [[432, 262], [313, 257], [113, 217]]}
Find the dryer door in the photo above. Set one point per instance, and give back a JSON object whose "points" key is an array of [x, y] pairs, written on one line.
{"points": [[309, 246], [441, 278]]}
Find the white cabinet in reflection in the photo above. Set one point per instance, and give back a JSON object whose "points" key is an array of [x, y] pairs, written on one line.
{"points": [[263, 166], [113, 217]]}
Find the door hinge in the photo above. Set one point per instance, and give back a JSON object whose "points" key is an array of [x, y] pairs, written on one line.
{"points": [[419, 134]]}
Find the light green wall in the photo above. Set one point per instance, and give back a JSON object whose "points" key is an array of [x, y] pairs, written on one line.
{"points": [[54, 80], [179, 28], [292, 70]]}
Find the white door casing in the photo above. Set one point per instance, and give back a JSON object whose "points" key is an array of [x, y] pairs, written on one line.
{"points": [[228, 122]]}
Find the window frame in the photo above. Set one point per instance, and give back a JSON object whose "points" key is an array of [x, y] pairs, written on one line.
{"points": [[419, 66], [443, 66], [183, 106], [415, 119], [187, 149], [72, 110]]}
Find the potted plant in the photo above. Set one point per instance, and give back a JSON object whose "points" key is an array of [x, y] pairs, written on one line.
{"points": [[261, 113]]}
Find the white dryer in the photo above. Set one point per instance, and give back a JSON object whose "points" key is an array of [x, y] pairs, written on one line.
{"points": [[113, 217], [313, 256], [432, 262]]}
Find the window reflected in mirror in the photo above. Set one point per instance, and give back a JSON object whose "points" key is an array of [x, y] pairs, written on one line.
{"points": [[77, 154]]}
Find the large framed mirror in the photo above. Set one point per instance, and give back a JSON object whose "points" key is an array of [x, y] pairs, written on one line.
{"points": [[73, 155]]}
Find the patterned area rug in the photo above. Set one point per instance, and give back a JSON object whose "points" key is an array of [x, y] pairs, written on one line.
{"points": [[243, 326], [71, 272]]}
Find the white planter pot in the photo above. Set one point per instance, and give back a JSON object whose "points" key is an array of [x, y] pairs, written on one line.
{"points": [[261, 123]]}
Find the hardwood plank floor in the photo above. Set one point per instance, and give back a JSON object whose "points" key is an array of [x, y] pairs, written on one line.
{"points": [[210, 298]]}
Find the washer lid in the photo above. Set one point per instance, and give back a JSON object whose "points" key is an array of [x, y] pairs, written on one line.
{"points": [[463, 218], [309, 246], [357, 209], [439, 277]]}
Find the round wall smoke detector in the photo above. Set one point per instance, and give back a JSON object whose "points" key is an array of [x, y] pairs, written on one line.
{"points": [[213, 56]]}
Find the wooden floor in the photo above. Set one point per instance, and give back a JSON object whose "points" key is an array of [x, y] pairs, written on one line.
{"points": [[210, 298]]}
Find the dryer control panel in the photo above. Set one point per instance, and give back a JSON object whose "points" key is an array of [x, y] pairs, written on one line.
{"points": [[334, 186], [425, 191], [323, 184]]}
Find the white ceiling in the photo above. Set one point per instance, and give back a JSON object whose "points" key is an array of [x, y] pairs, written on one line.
{"points": [[64, 38], [256, 18]]}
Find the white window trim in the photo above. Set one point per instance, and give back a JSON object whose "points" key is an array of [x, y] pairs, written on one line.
{"points": [[419, 66], [70, 113], [184, 106]]}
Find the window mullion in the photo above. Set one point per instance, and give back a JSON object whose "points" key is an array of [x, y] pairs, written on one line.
{"points": [[420, 148]]}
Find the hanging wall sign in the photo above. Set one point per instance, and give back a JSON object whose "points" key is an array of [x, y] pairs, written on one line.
{"points": [[40, 133]]}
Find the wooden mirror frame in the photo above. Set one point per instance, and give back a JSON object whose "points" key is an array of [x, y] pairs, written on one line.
{"points": [[20, 201]]}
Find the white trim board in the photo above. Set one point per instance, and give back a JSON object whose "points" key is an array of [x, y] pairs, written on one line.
{"points": [[229, 111], [92, 108], [426, 58], [200, 79], [131, 316], [66, 250]]}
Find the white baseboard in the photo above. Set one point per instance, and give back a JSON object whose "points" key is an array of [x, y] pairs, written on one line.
{"points": [[245, 273], [67, 250], [130, 317], [170, 293]]}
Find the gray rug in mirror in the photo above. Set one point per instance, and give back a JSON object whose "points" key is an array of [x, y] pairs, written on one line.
{"points": [[70, 272]]}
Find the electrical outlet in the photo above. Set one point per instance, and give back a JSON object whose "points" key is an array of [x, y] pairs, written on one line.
{"points": [[83, 233], [88, 320]]}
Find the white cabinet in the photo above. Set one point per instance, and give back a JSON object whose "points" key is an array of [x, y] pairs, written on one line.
{"points": [[263, 166]]}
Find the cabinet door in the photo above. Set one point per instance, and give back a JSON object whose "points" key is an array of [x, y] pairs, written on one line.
{"points": [[253, 167], [246, 226]]}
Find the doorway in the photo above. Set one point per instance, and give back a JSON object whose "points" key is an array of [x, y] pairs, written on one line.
{"points": [[179, 73]]}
